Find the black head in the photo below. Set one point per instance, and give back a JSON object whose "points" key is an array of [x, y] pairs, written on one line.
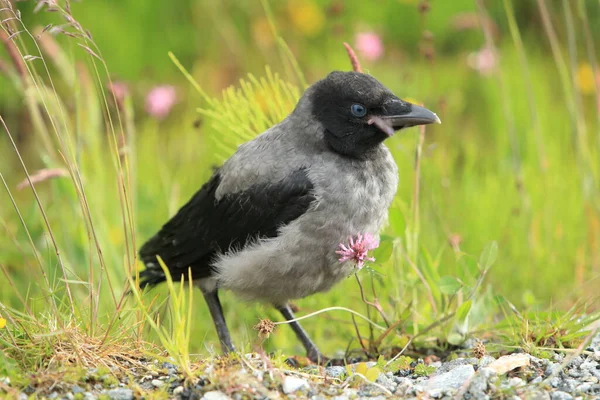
{"points": [[359, 113]]}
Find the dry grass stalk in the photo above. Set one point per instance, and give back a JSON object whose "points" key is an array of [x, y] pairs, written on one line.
{"points": [[42, 175]]}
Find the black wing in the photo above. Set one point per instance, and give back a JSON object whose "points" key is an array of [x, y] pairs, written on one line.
{"points": [[206, 225]]}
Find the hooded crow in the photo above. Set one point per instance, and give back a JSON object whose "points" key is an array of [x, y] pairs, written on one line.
{"points": [[268, 223]]}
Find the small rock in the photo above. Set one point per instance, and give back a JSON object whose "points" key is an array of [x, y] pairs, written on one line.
{"points": [[292, 384], [77, 389], [178, 390], [453, 364], [157, 383], [534, 393], [69, 396], [583, 388], [553, 369], [575, 373], [349, 393], [88, 396], [536, 380], [508, 363], [575, 362], [515, 382], [335, 371], [402, 385], [559, 395], [485, 361], [453, 379], [120, 394], [215, 395], [481, 381], [588, 365], [386, 382], [53, 396], [5, 380]]}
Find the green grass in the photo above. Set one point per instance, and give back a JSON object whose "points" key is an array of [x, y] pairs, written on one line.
{"points": [[510, 177]]}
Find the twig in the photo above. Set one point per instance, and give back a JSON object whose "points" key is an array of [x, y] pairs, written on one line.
{"points": [[374, 304], [333, 309]]}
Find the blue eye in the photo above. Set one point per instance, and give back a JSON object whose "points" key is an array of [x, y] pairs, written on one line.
{"points": [[358, 110]]}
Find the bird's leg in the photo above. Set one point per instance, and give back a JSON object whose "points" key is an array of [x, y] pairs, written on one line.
{"points": [[312, 351], [216, 311]]}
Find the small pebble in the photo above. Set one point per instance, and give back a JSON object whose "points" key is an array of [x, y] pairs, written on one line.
{"points": [[215, 395], [292, 384], [120, 394], [559, 395], [157, 383], [335, 371], [178, 390]]}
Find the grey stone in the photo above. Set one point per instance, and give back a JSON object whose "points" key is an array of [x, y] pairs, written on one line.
{"points": [[53, 395], [536, 380], [559, 395], [575, 362], [534, 393], [292, 384], [516, 382], [69, 396], [157, 383], [486, 360], [120, 394], [349, 393], [77, 389], [402, 385], [481, 382], [215, 395], [370, 391], [575, 373], [335, 371], [178, 390], [583, 388], [453, 379], [386, 382], [594, 390], [453, 364], [588, 365], [553, 369], [89, 396]]}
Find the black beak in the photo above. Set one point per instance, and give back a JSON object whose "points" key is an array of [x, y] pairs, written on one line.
{"points": [[416, 115]]}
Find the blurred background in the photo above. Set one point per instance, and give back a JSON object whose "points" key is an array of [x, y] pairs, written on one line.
{"points": [[516, 160]]}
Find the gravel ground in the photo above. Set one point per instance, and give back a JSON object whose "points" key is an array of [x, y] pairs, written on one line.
{"points": [[514, 376]]}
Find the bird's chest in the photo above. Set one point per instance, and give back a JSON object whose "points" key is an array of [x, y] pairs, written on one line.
{"points": [[357, 194]]}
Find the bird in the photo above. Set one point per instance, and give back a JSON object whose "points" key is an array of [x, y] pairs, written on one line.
{"points": [[268, 223]]}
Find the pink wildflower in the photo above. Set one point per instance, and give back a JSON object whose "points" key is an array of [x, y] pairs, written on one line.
{"points": [[483, 61], [369, 45], [358, 249], [119, 90], [160, 101]]}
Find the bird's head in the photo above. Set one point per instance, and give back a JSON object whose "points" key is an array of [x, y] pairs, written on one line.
{"points": [[358, 112]]}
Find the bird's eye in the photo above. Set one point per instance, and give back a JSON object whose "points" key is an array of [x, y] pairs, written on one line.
{"points": [[358, 110]]}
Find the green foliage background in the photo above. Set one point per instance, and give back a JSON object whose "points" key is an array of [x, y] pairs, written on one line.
{"points": [[516, 160]]}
